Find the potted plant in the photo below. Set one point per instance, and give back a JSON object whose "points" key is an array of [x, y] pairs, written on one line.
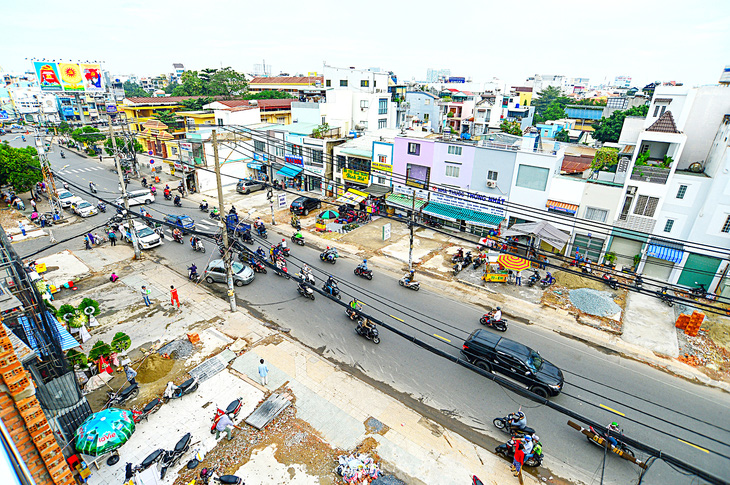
{"points": [[77, 358], [609, 259], [100, 349], [637, 260], [88, 308]]}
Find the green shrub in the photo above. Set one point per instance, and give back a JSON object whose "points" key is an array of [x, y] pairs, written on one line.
{"points": [[76, 357], [88, 302]]}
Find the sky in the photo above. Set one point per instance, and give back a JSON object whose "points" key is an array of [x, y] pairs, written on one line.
{"points": [[679, 40]]}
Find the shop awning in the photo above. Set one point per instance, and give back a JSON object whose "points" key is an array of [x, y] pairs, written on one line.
{"points": [[378, 190], [254, 165], [562, 206], [352, 196], [289, 171], [541, 230], [451, 213], [443, 211], [404, 201], [666, 250]]}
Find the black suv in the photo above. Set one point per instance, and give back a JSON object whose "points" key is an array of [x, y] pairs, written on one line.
{"points": [[303, 205], [491, 352]]}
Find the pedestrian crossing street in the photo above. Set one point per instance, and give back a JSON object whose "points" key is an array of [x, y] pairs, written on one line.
{"points": [[79, 170]]}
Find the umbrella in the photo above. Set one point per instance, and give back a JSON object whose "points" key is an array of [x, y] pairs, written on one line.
{"points": [[328, 215], [515, 263], [104, 431]]}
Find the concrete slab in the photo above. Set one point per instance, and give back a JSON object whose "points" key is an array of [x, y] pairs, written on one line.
{"points": [[63, 266], [650, 323], [264, 469]]}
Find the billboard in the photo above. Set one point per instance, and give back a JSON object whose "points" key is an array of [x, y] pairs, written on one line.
{"points": [[69, 77]]}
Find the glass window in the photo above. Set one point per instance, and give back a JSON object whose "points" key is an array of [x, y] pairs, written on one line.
{"points": [[454, 150], [682, 190], [259, 146], [328, 83], [340, 162], [492, 175], [646, 206], [452, 170], [383, 106], [279, 151], [343, 83], [414, 148], [296, 150], [530, 177], [317, 158], [726, 226], [417, 175], [364, 83], [382, 123], [594, 214], [668, 225]]}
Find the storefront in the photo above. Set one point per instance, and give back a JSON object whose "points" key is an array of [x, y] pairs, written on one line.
{"points": [[401, 204], [625, 245], [661, 256], [589, 247], [464, 220], [699, 269], [290, 176], [256, 171]]}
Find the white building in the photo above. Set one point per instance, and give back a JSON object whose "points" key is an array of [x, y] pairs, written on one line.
{"points": [[358, 80], [349, 110], [34, 105]]}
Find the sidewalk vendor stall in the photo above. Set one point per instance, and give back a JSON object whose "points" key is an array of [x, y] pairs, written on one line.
{"points": [[505, 265]]}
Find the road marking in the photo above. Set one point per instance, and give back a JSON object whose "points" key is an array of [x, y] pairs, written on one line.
{"points": [[612, 410], [442, 338], [399, 319], [693, 446]]}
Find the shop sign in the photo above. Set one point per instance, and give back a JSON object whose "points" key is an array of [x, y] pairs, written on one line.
{"points": [[356, 176], [468, 200], [294, 160], [282, 201], [420, 194], [188, 147], [386, 231], [382, 167], [260, 157]]}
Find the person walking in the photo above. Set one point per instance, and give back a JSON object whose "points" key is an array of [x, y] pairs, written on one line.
{"points": [[518, 459], [33, 204], [146, 295], [518, 278], [263, 372], [173, 296], [87, 243], [112, 237], [131, 374], [22, 227]]}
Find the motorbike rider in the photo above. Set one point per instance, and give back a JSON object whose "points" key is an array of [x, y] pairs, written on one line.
{"points": [[612, 429], [355, 305], [63, 155], [246, 235], [144, 182], [363, 266], [261, 253], [298, 234], [411, 276], [497, 315], [193, 271], [204, 205], [153, 190], [233, 210], [176, 234], [367, 327], [92, 187], [528, 445], [167, 192], [283, 244], [194, 241], [177, 200], [331, 283], [518, 421]]}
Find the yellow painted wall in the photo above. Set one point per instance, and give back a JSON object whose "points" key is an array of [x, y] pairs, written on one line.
{"points": [[271, 117], [525, 99]]}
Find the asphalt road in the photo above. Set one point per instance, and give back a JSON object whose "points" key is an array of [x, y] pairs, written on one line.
{"points": [[597, 384]]}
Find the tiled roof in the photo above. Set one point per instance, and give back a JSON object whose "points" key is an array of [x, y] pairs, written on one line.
{"points": [[522, 89], [664, 124], [264, 104], [576, 164], [160, 100], [287, 80]]}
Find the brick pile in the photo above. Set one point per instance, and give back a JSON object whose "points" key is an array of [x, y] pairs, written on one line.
{"points": [[691, 324]]}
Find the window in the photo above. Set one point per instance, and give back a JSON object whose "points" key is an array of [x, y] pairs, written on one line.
{"points": [[726, 226], [425, 117], [488, 116], [598, 215], [492, 175], [452, 170], [359, 164], [281, 120], [219, 121], [383, 159], [364, 104], [259, 146], [340, 162], [454, 150], [296, 150], [317, 158], [668, 225], [646, 206], [417, 176], [530, 177], [664, 108], [682, 190], [380, 180], [279, 151], [382, 106], [328, 83], [343, 83], [414, 149], [364, 83], [382, 123], [656, 110], [427, 102]]}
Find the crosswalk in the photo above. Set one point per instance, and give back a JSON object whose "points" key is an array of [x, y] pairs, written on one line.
{"points": [[79, 170]]}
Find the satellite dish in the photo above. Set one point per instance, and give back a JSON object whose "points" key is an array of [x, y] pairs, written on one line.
{"points": [[696, 167]]}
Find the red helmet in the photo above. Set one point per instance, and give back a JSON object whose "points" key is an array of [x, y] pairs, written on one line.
{"points": [[282, 239]]}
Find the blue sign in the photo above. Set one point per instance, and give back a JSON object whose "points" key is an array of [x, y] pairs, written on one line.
{"points": [[150, 153], [294, 160], [456, 80], [258, 156], [111, 108], [4, 115]]}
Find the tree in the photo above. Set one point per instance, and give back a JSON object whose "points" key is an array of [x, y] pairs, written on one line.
{"points": [[123, 145], [321, 130], [167, 117], [604, 159], [19, 167], [196, 104], [227, 83], [511, 127], [134, 90], [553, 112], [64, 128], [269, 94], [87, 135], [190, 85], [547, 97], [609, 129], [563, 136]]}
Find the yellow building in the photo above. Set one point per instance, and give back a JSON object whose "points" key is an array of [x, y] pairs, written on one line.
{"points": [[140, 110], [195, 120], [525, 94], [275, 111]]}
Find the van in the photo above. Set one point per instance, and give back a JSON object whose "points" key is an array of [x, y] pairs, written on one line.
{"points": [[136, 197]]}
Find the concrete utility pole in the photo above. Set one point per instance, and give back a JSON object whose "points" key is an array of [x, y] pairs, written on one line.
{"points": [[222, 224], [48, 179], [118, 163], [411, 221]]}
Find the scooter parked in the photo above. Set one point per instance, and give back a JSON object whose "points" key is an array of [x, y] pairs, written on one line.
{"points": [[149, 408], [176, 392], [171, 457], [126, 394], [534, 278]]}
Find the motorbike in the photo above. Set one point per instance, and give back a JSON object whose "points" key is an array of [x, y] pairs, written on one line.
{"points": [[295, 223], [330, 256], [150, 408], [232, 411], [504, 425], [699, 291], [478, 261], [63, 155], [199, 246], [412, 285], [193, 275], [177, 202], [151, 459], [187, 387], [507, 450], [168, 196], [203, 208], [638, 281], [306, 291], [298, 240], [459, 256], [307, 278], [144, 183], [256, 266], [370, 333], [333, 290], [261, 231], [215, 214], [129, 392], [664, 296], [489, 321], [610, 281], [246, 237], [619, 444], [92, 187], [365, 273], [177, 238], [547, 281], [467, 259], [534, 278], [352, 314], [171, 457], [206, 474], [101, 206], [282, 269], [283, 250], [458, 267]]}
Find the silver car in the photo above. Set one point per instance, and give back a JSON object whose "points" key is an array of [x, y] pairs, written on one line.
{"points": [[216, 273]]}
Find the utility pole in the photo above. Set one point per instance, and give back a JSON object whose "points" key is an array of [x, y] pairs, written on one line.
{"points": [[118, 164], [411, 222], [222, 224]]}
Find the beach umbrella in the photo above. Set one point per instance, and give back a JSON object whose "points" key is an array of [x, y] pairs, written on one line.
{"points": [[515, 263], [328, 215], [104, 431]]}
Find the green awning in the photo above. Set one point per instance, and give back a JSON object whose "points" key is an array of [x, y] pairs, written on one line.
{"points": [[453, 214], [404, 201]]}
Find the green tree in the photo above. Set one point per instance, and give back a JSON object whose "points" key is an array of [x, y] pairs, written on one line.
{"points": [[87, 135], [64, 128], [167, 117], [134, 90], [553, 112], [321, 130], [545, 99], [191, 85], [19, 167], [604, 159], [123, 145], [227, 83], [196, 104], [269, 94], [609, 129], [511, 127], [562, 136]]}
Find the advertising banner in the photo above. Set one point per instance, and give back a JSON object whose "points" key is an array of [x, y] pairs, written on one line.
{"points": [[356, 176], [48, 77], [91, 74], [294, 160], [69, 77], [468, 200], [382, 167]]}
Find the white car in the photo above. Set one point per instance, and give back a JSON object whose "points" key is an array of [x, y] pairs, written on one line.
{"points": [[146, 237], [85, 209], [136, 197], [67, 198]]}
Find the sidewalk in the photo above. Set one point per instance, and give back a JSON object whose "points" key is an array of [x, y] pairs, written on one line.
{"points": [[333, 413]]}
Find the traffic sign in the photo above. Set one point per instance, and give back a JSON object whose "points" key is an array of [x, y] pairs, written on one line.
{"points": [[386, 231], [282, 201]]}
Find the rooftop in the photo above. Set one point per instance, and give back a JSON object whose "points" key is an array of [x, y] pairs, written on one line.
{"points": [[308, 80], [664, 124], [264, 104], [576, 164], [159, 101]]}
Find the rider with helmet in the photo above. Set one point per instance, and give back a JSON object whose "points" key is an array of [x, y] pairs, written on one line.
{"points": [[612, 429], [203, 205], [518, 421], [364, 265], [497, 316]]}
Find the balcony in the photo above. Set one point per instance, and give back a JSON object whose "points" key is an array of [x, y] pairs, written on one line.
{"points": [[652, 174], [636, 223]]}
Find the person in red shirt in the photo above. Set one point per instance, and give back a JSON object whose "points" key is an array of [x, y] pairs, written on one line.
{"points": [[518, 459], [173, 296]]}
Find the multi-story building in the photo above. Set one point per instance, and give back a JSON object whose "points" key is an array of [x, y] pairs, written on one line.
{"points": [[302, 87], [349, 110], [176, 74], [437, 75], [422, 109], [33, 105], [365, 163], [360, 80], [622, 82], [540, 82], [274, 111]]}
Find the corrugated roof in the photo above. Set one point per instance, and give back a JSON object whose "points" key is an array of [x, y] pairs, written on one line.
{"points": [[664, 124], [288, 80], [162, 100], [576, 164], [261, 103]]}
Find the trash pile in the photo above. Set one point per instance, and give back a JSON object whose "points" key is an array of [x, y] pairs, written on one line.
{"points": [[177, 349], [357, 468]]}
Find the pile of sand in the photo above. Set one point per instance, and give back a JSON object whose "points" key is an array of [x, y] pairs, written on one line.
{"points": [[153, 368]]}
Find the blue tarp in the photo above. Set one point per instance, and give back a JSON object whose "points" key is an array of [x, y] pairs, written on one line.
{"points": [[67, 341]]}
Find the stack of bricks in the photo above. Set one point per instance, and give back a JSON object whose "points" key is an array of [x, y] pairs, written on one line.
{"points": [[27, 424], [690, 323]]}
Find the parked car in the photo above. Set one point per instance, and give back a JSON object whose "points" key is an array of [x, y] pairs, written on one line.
{"points": [[67, 198], [302, 206], [183, 222], [493, 353], [247, 186], [85, 209], [146, 237], [136, 197], [216, 273]]}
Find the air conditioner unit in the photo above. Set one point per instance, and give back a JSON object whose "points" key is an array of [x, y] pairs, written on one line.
{"points": [[631, 190], [491, 184]]}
